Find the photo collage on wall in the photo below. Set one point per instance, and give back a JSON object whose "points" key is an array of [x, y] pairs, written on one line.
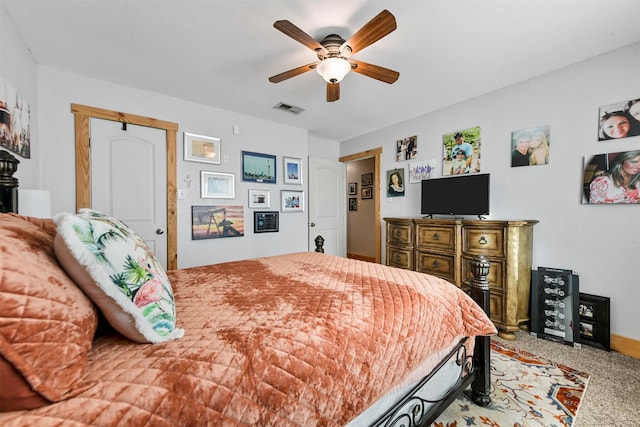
{"points": [[614, 177]]}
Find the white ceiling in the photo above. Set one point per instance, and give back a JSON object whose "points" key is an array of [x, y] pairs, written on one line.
{"points": [[220, 53]]}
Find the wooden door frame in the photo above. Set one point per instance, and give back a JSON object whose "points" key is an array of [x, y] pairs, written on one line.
{"points": [[82, 115], [375, 153]]}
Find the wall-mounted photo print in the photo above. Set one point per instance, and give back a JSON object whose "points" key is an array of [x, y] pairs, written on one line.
{"points": [[407, 148], [620, 120], [15, 121], [461, 152], [612, 178], [213, 222], [395, 183], [530, 147], [421, 170]]}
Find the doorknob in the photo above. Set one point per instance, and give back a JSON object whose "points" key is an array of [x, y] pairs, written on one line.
{"points": [[313, 224], [160, 231]]}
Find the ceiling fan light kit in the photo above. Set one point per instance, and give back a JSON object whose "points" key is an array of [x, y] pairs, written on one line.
{"points": [[334, 69], [334, 53]]}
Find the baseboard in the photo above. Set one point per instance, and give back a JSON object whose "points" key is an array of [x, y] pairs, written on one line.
{"points": [[362, 257], [625, 345]]}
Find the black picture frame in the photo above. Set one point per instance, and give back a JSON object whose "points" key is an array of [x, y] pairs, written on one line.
{"points": [[353, 188], [554, 305], [366, 193], [258, 167], [353, 203], [366, 179], [595, 317], [266, 222]]}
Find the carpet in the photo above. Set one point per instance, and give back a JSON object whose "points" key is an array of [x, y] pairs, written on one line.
{"points": [[527, 391]]}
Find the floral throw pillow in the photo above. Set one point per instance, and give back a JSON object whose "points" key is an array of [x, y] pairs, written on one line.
{"points": [[118, 271]]}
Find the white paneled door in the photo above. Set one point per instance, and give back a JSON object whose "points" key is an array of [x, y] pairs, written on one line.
{"points": [[128, 179], [327, 205]]}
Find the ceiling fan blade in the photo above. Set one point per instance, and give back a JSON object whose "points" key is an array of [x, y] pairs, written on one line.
{"points": [[374, 71], [292, 73], [378, 27], [333, 92], [300, 36]]}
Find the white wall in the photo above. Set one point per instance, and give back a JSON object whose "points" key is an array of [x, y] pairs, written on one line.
{"points": [[601, 243], [59, 89]]}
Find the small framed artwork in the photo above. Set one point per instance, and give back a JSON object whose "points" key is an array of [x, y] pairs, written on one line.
{"points": [[214, 222], [395, 183], [217, 185], [366, 179], [292, 170], [200, 148], [353, 203], [595, 316], [258, 167], [366, 193], [353, 188], [265, 222], [619, 120], [292, 201], [406, 148], [259, 199]]}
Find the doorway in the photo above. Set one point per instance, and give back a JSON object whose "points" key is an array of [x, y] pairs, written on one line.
{"points": [[83, 114], [372, 159]]}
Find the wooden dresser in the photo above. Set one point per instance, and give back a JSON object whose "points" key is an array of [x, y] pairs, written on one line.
{"points": [[445, 247]]}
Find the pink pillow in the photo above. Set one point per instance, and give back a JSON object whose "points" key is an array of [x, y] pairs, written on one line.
{"points": [[47, 324]]}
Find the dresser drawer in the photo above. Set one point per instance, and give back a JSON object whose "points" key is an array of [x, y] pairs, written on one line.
{"points": [[496, 302], [400, 257], [483, 241], [496, 276], [436, 264], [400, 233], [435, 237]]}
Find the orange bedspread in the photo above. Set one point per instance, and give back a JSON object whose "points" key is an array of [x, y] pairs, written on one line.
{"points": [[301, 339]]}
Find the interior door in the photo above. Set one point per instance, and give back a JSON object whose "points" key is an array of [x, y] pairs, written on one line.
{"points": [[327, 205], [128, 179]]}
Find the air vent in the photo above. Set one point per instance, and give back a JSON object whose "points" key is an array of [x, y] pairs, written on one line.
{"points": [[288, 108]]}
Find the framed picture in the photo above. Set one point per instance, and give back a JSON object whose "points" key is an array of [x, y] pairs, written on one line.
{"points": [[265, 222], [366, 193], [407, 148], [395, 183], [595, 316], [353, 203], [292, 201], [619, 120], [599, 177], [200, 148], [292, 170], [554, 305], [258, 167], [366, 179], [421, 170], [353, 188], [217, 185], [530, 147], [259, 199], [461, 151], [214, 222]]}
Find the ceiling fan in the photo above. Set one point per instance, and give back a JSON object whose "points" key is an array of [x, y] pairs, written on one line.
{"points": [[334, 53]]}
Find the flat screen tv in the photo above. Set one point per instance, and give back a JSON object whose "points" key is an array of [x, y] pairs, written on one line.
{"points": [[456, 195]]}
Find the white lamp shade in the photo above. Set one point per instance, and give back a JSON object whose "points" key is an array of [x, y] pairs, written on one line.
{"points": [[36, 203], [333, 70]]}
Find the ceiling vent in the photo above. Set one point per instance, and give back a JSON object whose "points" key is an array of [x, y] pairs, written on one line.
{"points": [[288, 108]]}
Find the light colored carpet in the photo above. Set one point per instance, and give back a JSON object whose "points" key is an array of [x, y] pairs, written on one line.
{"points": [[527, 391]]}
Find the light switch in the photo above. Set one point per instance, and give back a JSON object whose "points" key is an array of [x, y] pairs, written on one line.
{"points": [[236, 130]]}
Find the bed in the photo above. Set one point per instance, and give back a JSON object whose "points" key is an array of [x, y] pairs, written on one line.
{"points": [[301, 339]]}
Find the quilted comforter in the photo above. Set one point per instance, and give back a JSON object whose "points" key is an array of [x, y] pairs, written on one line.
{"points": [[290, 340]]}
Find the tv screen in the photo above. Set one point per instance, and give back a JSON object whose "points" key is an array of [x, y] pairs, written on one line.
{"points": [[459, 195]]}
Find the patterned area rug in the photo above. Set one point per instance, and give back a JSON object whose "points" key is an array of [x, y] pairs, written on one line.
{"points": [[527, 391]]}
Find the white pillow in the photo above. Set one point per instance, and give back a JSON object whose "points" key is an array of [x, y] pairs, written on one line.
{"points": [[120, 274]]}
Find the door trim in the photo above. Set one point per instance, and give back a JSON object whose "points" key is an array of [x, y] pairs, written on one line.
{"points": [[375, 153], [82, 115]]}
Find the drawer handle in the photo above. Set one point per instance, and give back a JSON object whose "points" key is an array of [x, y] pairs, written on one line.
{"points": [[398, 233], [435, 236], [435, 264], [482, 240], [397, 257]]}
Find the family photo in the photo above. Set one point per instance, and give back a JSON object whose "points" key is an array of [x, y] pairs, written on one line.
{"points": [[530, 147], [461, 152], [612, 178], [620, 120]]}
